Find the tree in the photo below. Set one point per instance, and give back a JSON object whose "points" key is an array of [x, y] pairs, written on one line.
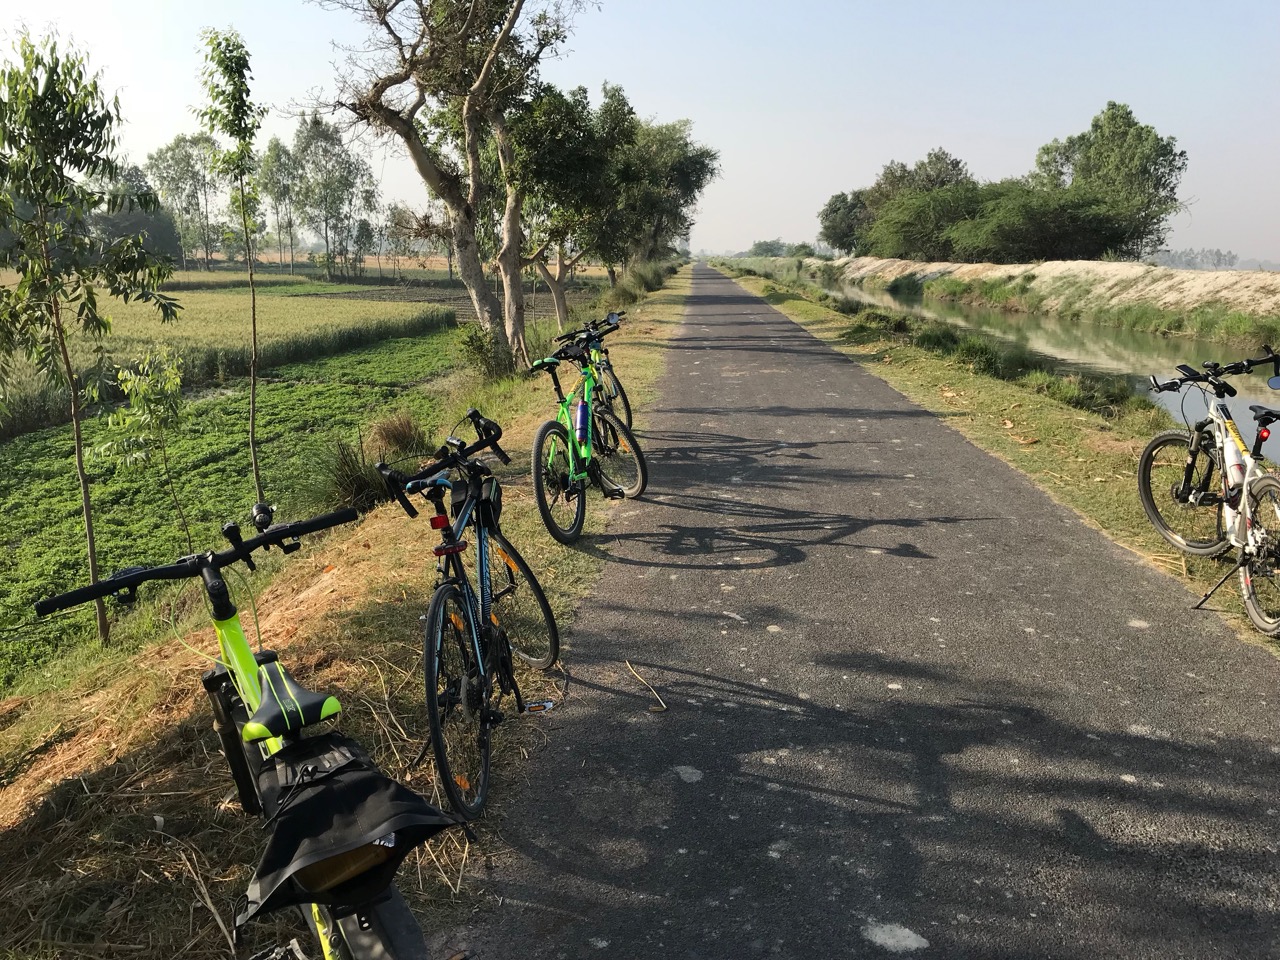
{"points": [[439, 75], [767, 248], [57, 136], [154, 408], [231, 114], [845, 220], [185, 172], [277, 180], [156, 225], [333, 184], [1129, 164]]}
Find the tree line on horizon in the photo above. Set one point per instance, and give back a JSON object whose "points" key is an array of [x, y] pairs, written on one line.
{"points": [[1105, 193]]}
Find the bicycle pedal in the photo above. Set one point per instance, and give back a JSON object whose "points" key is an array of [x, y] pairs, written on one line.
{"points": [[614, 493], [539, 706]]}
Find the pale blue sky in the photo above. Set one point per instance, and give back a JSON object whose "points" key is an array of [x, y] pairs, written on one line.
{"points": [[811, 97]]}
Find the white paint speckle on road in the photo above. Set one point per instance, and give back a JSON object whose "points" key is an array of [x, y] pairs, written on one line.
{"points": [[773, 628], [688, 774], [599, 943], [1139, 624], [1128, 778], [895, 686], [894, 937]]}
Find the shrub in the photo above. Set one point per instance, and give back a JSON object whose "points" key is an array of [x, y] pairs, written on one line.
{"points": [[398, 433], [937, 337], [479, 351], [849, 306]]}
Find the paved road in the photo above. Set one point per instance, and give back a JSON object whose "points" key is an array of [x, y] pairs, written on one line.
{"points": [[916, 709]]}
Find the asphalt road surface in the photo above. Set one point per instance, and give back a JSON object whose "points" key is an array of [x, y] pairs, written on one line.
{"points": [[915, 708]]}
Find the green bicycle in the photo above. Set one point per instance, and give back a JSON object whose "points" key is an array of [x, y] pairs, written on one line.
{"points": [[586, 442], [337, 828], [472, 631], [591, 337]]}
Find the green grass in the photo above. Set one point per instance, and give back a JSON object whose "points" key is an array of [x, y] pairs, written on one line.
{"points": [[211, 336], [301, 410]]}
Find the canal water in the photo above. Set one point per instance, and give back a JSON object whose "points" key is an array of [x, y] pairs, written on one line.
{"points": [[1081, 346]]}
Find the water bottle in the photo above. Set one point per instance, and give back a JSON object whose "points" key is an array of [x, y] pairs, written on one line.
{"points": [[580, 421], [1233, 475]]}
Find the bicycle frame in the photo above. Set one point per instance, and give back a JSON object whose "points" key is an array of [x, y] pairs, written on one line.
{"points": [[579, 450], [1221, 425]]}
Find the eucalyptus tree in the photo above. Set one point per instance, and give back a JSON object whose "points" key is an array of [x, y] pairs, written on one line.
{"points": [[230, 113], [333, 184], [57, 137], [440, 76], [185, 171], [277, 180]]}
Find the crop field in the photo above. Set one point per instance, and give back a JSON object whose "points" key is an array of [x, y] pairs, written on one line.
{"points": [[303, 408]]}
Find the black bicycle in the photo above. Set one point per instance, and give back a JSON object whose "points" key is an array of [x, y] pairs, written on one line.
{"points": [[337, 828], [472, 631]]}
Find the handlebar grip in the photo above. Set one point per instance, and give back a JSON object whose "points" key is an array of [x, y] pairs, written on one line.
{"points": [[499, 452], [395, 481], [315, 524], [1228, 389], [73, 598], [121, 580]]}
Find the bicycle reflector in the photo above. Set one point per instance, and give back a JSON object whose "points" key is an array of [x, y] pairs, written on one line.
{"points": [[439, 521], [445, 549], [1264, 433]]}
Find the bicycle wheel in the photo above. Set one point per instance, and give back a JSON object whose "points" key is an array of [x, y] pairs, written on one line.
{"points": [[384, 930], [1194, 526], [615, 450], [619, 405], [560, 500], [457, 702], [520, 607], [1260, 577]]}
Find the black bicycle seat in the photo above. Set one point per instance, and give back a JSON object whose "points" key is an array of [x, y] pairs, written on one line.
{"points": [[286, 706]]}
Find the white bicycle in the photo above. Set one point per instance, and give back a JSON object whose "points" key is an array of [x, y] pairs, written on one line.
{"points": [[1206, 491]]}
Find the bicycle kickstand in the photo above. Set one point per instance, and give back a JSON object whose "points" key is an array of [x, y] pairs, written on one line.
{"points": [[1227, 576]]}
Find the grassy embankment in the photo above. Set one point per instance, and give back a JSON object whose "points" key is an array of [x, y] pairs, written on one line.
{"points": [[1077, 437], [1069, 298], [116, 824]]}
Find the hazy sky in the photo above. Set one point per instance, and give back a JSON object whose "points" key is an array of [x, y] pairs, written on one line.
{"points": [[806, 98]]}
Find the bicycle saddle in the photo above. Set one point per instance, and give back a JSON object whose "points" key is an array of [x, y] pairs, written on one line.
{"points": [[286, 706], [546, 363], [1261, 413]]}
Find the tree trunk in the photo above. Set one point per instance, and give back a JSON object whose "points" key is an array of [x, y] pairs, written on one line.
{"points": [[613, 275], [467, 250], [104, 628], [253, 356], [555, 283], [511, 268]]}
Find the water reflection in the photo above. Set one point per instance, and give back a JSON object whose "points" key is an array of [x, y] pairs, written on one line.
{"points": [[1090, 347]]}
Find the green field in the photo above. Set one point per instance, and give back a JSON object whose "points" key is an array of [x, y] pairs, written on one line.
{"points": [[302, 408]]}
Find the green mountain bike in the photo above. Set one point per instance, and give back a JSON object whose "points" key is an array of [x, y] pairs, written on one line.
{"points": [[585, 443], [591, 337], [473, 630], [337, 828]]}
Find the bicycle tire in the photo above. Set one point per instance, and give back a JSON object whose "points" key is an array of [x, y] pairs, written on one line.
{"points": [[1260, 576], [617, 397], [520, 607], [384, 930], [1194, 529], [456, 702], [617, 452], [557, 496]]}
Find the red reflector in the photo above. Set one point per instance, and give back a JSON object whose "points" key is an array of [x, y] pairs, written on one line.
{"points": [[1264, 433], [445, 549], [439, 521]]}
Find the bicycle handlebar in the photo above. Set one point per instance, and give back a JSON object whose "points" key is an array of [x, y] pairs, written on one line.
{"points": [[1214, 373], [596, 328], [453, 454], [191, 566]]}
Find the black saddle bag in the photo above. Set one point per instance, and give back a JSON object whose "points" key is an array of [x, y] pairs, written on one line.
{"points": [[338, 829]]}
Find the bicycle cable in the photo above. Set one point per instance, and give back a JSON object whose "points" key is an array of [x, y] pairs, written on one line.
{"points": [[173, 624]]}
